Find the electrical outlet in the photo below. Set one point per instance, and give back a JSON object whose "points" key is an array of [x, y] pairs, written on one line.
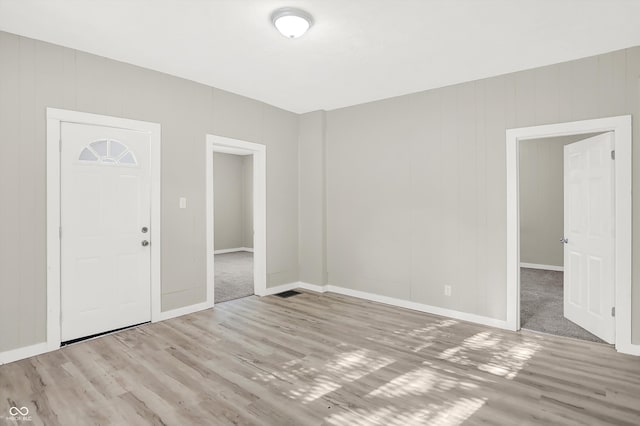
{"points": [[447, 290]]}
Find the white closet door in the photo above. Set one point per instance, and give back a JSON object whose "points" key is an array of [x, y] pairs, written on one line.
{"points": [[588, 224]]}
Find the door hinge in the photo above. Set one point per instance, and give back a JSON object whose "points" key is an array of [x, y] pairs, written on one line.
{"points": [[613, 311], [613, 154]]}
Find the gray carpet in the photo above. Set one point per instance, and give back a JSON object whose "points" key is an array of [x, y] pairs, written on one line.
{"points": [[542, 305], [234, 276]]}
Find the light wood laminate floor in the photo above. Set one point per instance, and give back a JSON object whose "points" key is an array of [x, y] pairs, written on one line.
{"points": [[323, 359]]}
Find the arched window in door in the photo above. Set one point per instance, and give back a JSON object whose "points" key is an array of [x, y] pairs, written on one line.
{"points": [[108, 152]]}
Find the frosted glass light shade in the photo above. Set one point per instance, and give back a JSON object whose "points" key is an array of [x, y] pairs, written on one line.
{"points": [[292, 23]]}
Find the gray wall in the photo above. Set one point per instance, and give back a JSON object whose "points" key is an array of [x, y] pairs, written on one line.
{"points": [[233, 201], [411, 190], [247, 201], [313, 266], [416, 185], [542, 199], [35, 75]]}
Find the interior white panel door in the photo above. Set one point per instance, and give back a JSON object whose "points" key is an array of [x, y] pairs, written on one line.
{"points": [[588, 223], [105, 204]]}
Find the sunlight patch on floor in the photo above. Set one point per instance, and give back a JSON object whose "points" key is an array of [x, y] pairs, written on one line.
{"points": [[506, 358], [321, 386], [448, 414], [419, 382], [415, 382], [425, 336], [508, 363], [344, 368]]}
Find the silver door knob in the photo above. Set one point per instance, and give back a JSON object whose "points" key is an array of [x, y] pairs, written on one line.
{"points": [[145, 243], [145, 229], [564, 240]]}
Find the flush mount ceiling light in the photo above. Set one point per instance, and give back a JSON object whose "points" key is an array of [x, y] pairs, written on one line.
{"points": [[291, 22]]}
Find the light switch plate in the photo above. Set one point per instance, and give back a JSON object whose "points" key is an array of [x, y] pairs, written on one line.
{"points": [[183, 203]]}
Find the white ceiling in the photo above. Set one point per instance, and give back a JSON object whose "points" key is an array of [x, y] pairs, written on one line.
{"points": [[357, 51]]}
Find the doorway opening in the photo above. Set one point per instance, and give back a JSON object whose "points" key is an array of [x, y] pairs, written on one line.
{"points": [[233, 225], [543, 232], [620, 310], [236, 218]]}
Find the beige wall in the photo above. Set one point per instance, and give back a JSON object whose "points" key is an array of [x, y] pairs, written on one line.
{"points": [[416, 185], [233, 201], [542, 199], [35, 75]]}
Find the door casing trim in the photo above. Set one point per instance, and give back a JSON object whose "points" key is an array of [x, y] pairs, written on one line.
{"points": [[54, 119], [621, 126]]}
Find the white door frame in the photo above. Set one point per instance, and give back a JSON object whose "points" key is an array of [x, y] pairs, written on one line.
{"points": [[621, 126], [54, 119], [259, 152]]}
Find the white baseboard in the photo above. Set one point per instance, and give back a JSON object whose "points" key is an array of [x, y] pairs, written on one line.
{"points": [[450, 313], [539, 266], [629, 349], [233, 250], [279, 289], [40, 348], [24, 352], [293, 286], [184, 311], [313, 287]]}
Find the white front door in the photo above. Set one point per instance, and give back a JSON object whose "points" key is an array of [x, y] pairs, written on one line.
{"points": [[588, 224], [105, 215]]}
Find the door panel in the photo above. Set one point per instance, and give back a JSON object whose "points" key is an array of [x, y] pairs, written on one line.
{"points": [[105, 194], [596, 281], [588, 224], [572, 279]]}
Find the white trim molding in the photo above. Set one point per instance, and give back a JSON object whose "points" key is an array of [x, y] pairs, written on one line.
{"points": [[421, 307], [313, 287], [542, 267], [25, 352], [185, 310], [233, 250], [294, 285], [621, 126], [280, 288], [259, 152], [415, 306], [54, 119]]}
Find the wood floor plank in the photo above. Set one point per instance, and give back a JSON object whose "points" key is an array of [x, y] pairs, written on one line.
{"points": [[324, 359]]}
